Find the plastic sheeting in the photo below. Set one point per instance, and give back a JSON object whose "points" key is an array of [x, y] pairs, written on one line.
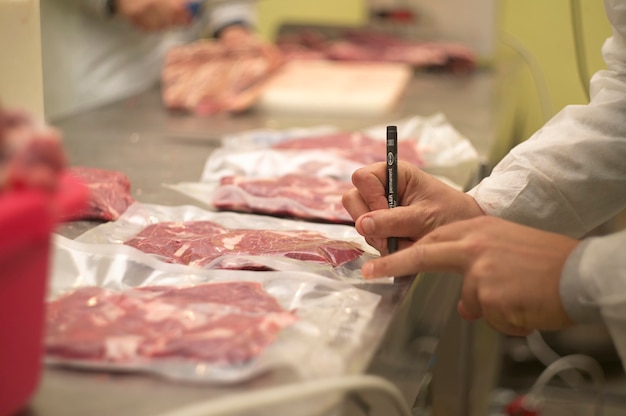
{"points": [[443, 150], [138, 216], [331, 315]]}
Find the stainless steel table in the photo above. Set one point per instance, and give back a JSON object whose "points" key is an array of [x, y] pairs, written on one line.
{"points": [[152, 147]]}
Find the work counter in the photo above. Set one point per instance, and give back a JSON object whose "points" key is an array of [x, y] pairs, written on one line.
{"points": [[404, 342]]}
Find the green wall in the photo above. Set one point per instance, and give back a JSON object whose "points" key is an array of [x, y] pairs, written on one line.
{"points": [[542, 28], [272, 13]]}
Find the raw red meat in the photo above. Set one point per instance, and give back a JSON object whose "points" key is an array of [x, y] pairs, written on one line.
{"points": [[354, 146], [31, 155], [221, 322], [209, 77], [300, 196], [198, 243], [109, 193], [366, 45]]}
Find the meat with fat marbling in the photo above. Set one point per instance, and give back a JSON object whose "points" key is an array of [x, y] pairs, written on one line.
{"points": [[109, 193], [219, 322], [299, 196], [199, 243]]}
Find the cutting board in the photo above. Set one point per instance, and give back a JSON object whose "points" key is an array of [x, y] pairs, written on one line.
{"points": [[354, 88]]}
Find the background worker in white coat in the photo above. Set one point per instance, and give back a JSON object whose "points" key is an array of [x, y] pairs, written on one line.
{"points": [[568, 178], [99, 51]]}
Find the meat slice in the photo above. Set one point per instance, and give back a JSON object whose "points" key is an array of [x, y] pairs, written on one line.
{"points": [[299, 196], [31, 155], [354, 146], [220, 322], [109, 193], [199, 243], [208, 77]]}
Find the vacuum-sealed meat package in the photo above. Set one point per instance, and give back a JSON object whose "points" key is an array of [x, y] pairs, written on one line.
{"points": [[355, 146], [430, 142], [111, 308], [218, 322], [227, 240], [200, 243], [253, 171], [299, 196]]}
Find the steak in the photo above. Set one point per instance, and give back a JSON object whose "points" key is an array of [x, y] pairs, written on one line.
{"points": [[299, 196], [109, 193], [220, 322], [354, 146], [199, 243]]}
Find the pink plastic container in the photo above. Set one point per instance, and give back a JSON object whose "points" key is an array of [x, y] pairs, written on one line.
{"points": [[27, 219]]}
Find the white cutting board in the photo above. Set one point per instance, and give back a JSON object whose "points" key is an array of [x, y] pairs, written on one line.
{"points": [[335, 87]]}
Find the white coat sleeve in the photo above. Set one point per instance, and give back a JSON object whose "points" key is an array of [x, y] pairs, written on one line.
{"points": [[230, 12], [593, 285], [570, 176]]}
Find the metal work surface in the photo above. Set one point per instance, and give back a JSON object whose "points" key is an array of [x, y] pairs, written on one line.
{"points": [[153, 147]]}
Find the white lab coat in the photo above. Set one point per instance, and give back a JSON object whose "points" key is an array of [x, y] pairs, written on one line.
{"points": [[90, 59], [569, 177]]}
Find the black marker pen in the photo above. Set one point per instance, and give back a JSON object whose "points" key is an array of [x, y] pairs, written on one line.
{"points": [[392, 178]]}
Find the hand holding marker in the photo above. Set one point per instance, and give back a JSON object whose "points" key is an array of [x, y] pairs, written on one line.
{"points": [[392, 178]]}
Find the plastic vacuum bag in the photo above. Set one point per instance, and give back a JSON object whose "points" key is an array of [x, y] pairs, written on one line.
{"points": [[440, 148], [139, 216], [331, 316], [443, 150]]}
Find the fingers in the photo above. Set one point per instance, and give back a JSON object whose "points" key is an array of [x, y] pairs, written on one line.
{"points": [[470, 307], [465, 313], [425, 203], [448, 256], [447, 248], [500, 325], [370, 182], [406, 222], [180, 18], [419, 258], [354, 203]]}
